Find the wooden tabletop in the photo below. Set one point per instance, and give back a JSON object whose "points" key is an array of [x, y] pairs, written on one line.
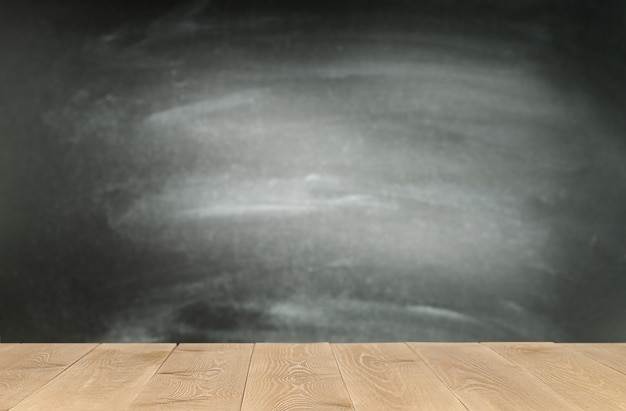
{"points": [[319, 376]]}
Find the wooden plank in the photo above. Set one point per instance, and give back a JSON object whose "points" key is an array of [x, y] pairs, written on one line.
{"points": [[612, 355], [294, 377], [34, 369], [10, 353], [484, 380], [588, 383], [107, 378], [7, 346], [391, 377], [199, 377]]}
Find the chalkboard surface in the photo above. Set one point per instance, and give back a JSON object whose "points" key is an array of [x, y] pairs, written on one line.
{"points": [[213, 171]]}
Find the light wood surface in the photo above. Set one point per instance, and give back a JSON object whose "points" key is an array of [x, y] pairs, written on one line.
{"points": [[319, 376], [484, 380], [294, 377], [382, 376], [611, 355], [7, 347], [11, 353], [199, 377], [107, 378], [590, 384], [34, 366]]}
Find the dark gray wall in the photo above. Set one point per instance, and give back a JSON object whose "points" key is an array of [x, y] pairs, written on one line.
{"points": [[225, 171]]}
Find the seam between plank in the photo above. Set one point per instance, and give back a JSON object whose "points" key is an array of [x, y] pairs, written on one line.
{"points": [[342, 378], [438, 377], [58, 375], [143, 388], [534, 376], [593, 358], [245, 385]]}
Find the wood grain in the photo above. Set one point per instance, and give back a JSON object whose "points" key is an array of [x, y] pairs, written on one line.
{"points": [[391, 377], [11, 353], [483, 380], [612, 355], [275, 377], [289, 377], [6, 347], [35, 368], [587, 382], [107, 378], [199, 377]]}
